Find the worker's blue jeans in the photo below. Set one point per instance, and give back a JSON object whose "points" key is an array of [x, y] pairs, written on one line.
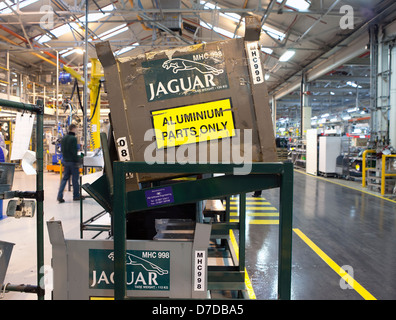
{"points": [[71, 169]]}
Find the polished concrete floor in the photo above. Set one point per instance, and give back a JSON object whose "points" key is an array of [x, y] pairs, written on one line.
{"points": [[334, 227]]}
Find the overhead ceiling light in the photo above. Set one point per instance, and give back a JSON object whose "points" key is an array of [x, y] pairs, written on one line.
{"points": [[301, 5], [274, 33], [353, 84], [287, 55], [267, 76], [267, 50], [353, 110], [79, 51]]}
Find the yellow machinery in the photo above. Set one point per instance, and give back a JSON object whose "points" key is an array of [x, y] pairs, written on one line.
{"points": [[94, 87]]}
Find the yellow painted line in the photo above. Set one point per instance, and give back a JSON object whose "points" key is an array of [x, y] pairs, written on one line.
{"points": [[255, 208], [266, 221], [258, 214], [248, 284], [250, 203], [341, 272], [264, 214], [343, 185], [250, 199]]}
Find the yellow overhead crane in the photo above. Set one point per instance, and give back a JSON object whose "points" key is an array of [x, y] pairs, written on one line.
{"points": [[94, 87]]}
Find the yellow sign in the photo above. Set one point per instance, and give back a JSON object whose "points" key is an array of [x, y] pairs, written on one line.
{"points": [[195, 123]]}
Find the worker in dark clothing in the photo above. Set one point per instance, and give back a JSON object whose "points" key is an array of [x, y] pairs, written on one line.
{"points": [[71, 162]]}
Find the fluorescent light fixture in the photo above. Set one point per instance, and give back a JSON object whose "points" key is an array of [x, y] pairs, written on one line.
{"points": [[314, 118], [332, 93], [325, 115], [333, 120], [353, 84], [65, 50], [109, 33], [346, 117], [126, 49], [42, 39], [77, 50], [267, 50], [353, 110], [229, 15], [300, 5], [94, 17], [274, 33], [219, 30], [114, 33], [287, 55], [63, 29], [232, 16]]}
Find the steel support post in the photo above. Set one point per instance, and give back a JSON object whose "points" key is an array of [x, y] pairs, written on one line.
{"points": [[119, 209], [285, 232], [40, 201], [242, 231]]}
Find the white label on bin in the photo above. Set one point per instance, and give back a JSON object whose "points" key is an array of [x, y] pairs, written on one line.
{"points": [[255, 63], [199, 270], [123, 152]]}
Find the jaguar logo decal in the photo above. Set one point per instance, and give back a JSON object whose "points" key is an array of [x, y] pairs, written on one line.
{"points": [[178, 64]]}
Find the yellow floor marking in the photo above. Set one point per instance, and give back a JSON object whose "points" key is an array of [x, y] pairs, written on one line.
{"points": [[248, 284], [264, 214], [264, 222], [255, 208], [233, 203], [261, 214], [258, 221], [249, 198], [341, 272]]}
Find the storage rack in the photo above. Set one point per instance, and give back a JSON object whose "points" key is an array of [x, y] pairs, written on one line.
{"points": [[262, 176], [38, 194], [298, 153]]}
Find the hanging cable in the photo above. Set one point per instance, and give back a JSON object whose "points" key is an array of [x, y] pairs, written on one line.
{"points": [[96, 102]]}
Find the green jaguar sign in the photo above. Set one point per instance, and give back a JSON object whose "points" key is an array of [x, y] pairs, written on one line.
{"points": [[146, 269], [185, 75]]}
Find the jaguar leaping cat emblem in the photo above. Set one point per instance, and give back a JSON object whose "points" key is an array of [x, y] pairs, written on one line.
{"points": [[178, 64]]}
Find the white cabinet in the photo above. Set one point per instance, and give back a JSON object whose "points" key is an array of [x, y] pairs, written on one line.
{"points": [[312, 151], [329, 150]]}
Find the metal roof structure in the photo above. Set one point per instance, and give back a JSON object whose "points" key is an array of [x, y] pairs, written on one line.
{"points": [[328, 40]]}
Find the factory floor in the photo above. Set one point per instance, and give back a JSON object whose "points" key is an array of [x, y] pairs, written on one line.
{"points": [[336, 224]]}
